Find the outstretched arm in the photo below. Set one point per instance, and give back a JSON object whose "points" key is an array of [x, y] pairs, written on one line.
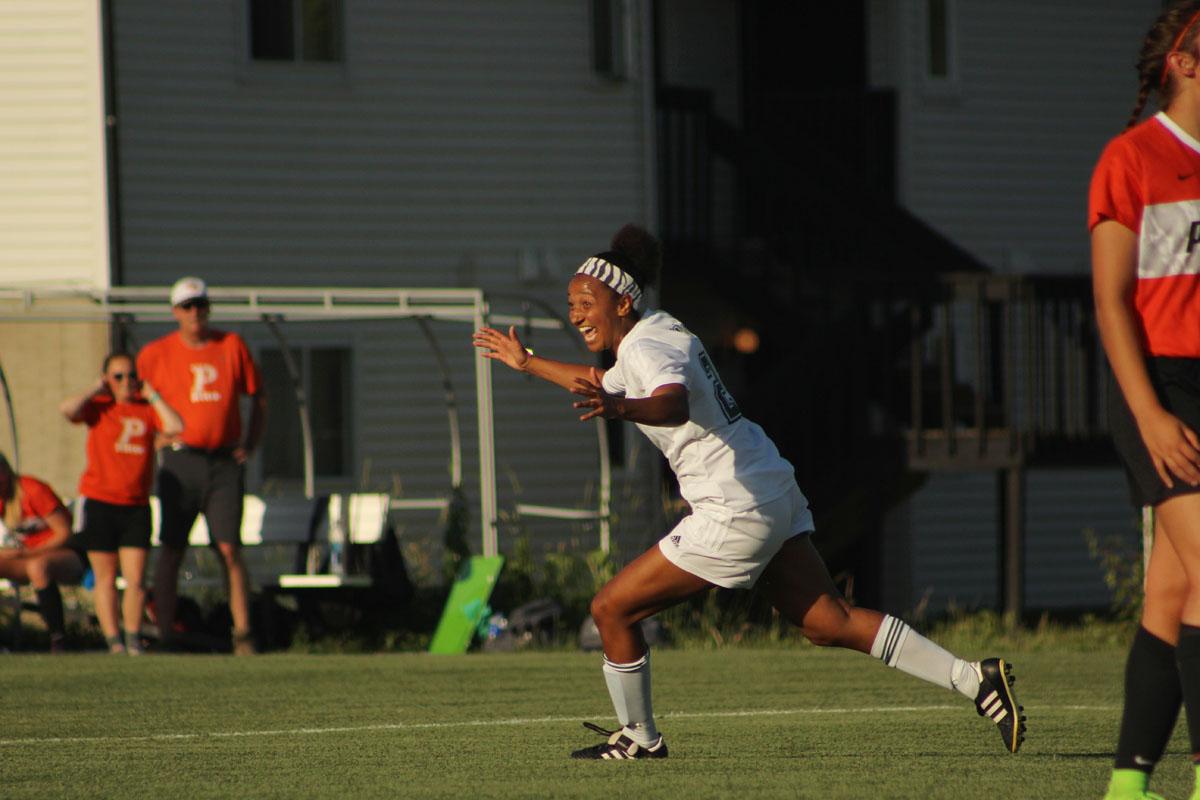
{"points": [[1174, 447], [667, 406], [507, 349]]}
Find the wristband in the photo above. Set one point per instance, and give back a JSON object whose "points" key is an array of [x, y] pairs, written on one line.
{"points": [[153, 397]]}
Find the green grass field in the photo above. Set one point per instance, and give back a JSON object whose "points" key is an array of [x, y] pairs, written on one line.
{"points": [[794, 722]]}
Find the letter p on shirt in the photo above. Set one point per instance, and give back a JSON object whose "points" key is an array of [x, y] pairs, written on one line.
{"points": [[203, 376]]}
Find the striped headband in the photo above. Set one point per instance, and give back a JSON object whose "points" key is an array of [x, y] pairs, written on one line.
{"points": [[1162, 81], [602, 268]]}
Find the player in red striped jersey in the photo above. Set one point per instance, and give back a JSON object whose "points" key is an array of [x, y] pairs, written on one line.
{"points": [[1144, 217]]}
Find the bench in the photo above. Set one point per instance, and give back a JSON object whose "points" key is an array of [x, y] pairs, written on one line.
{"points": [[286, 520]]}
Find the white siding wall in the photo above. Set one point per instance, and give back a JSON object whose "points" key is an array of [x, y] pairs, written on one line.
{"points": [[53, 204], [999, 159], [456, 138], [455, 135], [944, 542]]}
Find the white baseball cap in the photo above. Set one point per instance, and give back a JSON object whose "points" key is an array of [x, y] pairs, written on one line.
{"points": [[189, 288]]}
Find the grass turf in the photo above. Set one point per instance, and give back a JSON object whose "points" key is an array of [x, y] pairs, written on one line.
{"points": [[791, 723]]}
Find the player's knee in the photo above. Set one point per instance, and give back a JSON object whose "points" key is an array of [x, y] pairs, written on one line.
{"points": [[821, 637], [604, 610], [827, 624], [230, 554], [1167, 596], [599, 608], [38, 572]]}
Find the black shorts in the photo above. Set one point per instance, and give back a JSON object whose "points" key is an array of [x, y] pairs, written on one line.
{"points": [[105, 527], [1176, 381], [192, 482]]}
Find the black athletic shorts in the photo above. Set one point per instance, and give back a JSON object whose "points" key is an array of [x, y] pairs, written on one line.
{"points": [[192, 482], [1177, 383], [105, 527]]}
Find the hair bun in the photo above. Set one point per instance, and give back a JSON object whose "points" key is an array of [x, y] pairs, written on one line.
{"points": [[641, 249]]}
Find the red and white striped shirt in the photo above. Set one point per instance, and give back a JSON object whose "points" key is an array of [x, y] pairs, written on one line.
{"points": [[1148, 179]]}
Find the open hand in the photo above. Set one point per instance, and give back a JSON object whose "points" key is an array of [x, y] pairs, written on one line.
{"points": [[1174, 447], [506, 348], [600, 402]]}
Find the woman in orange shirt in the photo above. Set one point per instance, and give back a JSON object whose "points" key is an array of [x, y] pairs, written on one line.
{"points": [[115, 487], [35, 529]]}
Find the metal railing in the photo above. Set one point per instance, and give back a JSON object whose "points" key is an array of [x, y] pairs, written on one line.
{"points": [[1002, 369]]}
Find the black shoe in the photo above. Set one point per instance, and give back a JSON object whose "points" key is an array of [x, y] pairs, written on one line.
{"points": [[997, 702], [619, 746]]}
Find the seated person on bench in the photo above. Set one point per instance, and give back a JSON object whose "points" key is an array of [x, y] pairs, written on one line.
{"points": [[35, 532]]}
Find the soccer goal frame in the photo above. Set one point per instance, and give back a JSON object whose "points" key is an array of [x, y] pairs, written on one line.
{"points": [[272, 306]]}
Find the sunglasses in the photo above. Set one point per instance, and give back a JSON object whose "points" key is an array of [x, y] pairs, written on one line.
{"points": [[121, 376], [188, 305]]}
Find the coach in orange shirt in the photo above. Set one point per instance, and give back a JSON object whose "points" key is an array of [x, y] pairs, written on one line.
{"points": [[124, 419], [201, 372]]}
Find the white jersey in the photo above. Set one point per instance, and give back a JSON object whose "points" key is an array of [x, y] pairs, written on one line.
{"points": [[720, 457]]}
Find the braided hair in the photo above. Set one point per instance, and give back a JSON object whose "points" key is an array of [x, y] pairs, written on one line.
{"points": [[1175, 30]]}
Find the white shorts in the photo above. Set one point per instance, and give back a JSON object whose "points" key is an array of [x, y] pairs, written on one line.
{"points": [[732, 548]]}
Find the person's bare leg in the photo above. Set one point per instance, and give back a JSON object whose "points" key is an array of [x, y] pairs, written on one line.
{"points": [[1152, 690], [647, 585], [104, 567], [46, 570], [133, 603], [644, 587], [1180, 524], [799, 585], [239, 595]]}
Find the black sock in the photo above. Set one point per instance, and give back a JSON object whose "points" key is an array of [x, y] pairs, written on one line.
{"points": [[1152, 700], [50, 604], [1187, 656]]}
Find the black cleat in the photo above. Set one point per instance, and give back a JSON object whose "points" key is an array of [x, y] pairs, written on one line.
{"points": [[997, 702], [619, 746]]}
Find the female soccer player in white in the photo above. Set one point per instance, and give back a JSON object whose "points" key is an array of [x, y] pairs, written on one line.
{"points": [[748, 520]]}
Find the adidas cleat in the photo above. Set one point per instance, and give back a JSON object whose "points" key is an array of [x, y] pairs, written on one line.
{"points": [[619, 746], [997, 702]]}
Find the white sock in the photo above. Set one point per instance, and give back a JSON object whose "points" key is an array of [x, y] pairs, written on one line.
{"points": [[899, 646], [629, 688]]}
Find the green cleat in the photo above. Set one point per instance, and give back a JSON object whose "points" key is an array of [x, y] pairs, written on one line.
{"points": [[1130, 784]]}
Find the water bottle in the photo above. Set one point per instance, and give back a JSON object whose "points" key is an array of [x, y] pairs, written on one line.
{"points": [[337, 546], [496, 625]]}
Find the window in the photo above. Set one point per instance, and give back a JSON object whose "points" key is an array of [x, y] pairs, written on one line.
{"points": [[610, 39], [325, 375], [295, 30], [940, 53]]}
